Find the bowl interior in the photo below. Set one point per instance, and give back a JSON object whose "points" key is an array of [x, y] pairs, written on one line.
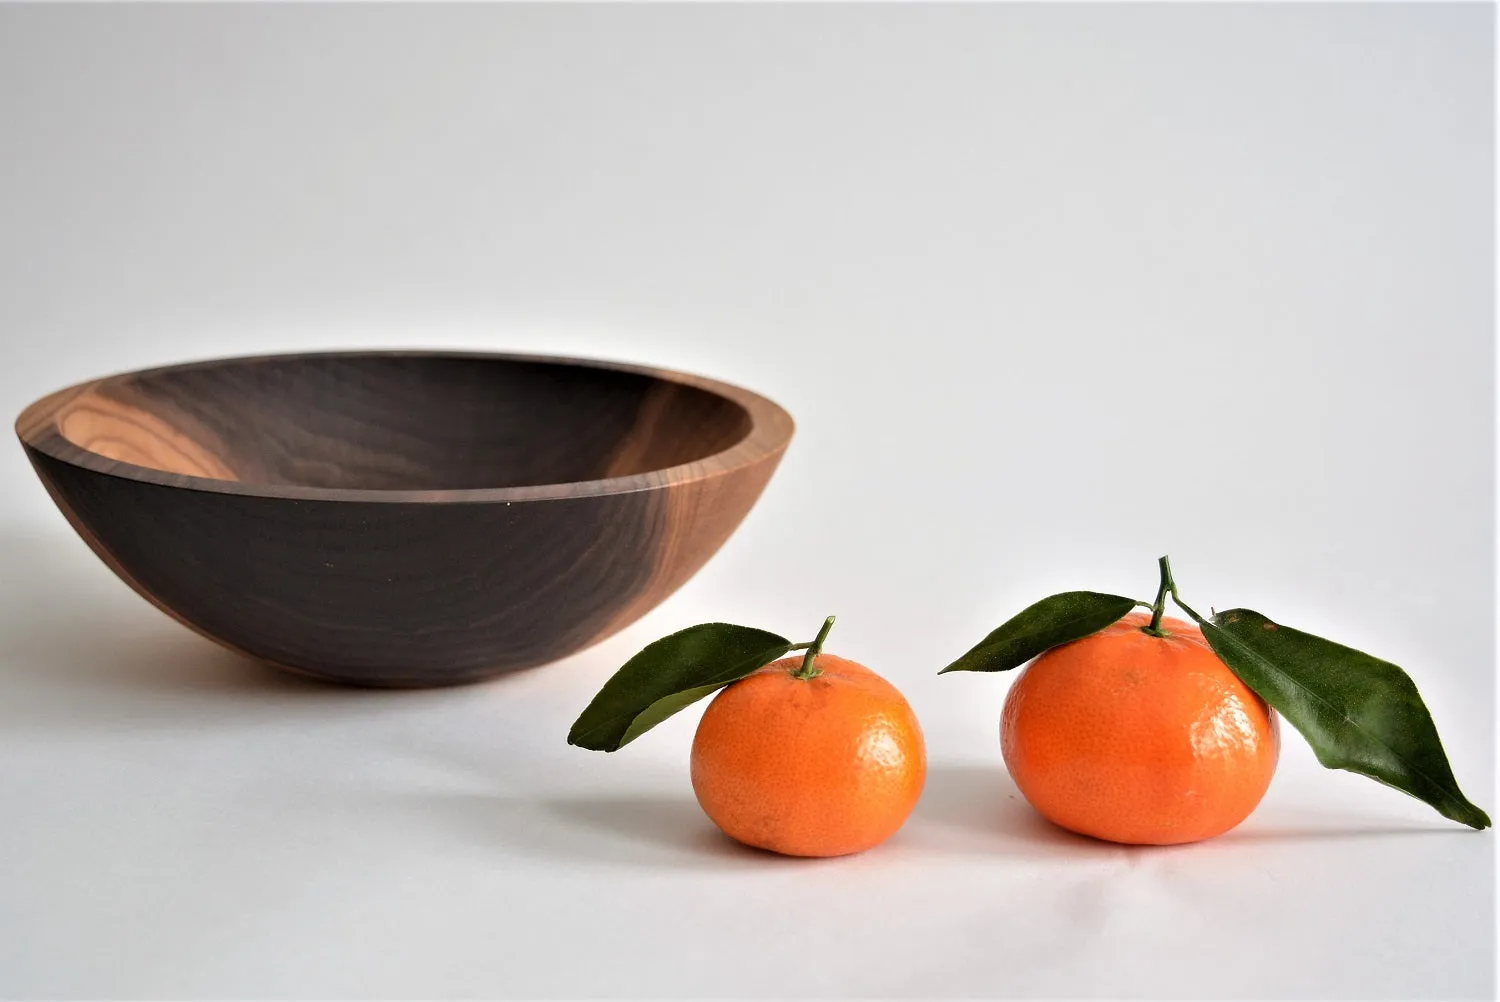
{"points": [[401, 422]]}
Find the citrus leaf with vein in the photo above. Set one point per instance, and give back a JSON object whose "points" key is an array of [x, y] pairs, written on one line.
{"points": [[668, 675], [1358, 712], [1055, 620]]}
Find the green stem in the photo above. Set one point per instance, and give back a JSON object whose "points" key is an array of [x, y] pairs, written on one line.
{"points": [[1159, 607], [809, 667], [1168, 586], [1187, 608]]}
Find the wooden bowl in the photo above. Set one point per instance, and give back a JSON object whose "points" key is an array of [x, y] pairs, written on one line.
{"points": [[405, 518]]}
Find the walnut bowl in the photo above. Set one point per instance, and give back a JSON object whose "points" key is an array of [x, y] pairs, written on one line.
{"points": [[405, 518]]}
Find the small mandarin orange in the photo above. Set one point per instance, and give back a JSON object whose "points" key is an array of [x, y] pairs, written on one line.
{"points": [[824, 765]]}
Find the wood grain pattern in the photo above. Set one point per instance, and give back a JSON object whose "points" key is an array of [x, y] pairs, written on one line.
{"points": [[405, 518]]}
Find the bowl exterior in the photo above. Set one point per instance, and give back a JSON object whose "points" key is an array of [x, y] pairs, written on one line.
{"points": [[398, 593]]}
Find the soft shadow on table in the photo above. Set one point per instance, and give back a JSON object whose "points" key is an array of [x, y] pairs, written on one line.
{"points": [[659, 821], [631, 831], [977, 809], [644, 828], [1330, 829]]}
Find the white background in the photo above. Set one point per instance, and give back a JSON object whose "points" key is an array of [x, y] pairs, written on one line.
{"points": [[1050, 291]]}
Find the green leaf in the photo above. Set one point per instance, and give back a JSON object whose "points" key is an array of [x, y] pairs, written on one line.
{"points": [[668, 675], [1055, 620], [668, 705], [1358, 712]]}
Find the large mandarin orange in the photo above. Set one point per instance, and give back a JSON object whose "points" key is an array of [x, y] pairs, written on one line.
{"points": [[1138, 738], [822, 766]]}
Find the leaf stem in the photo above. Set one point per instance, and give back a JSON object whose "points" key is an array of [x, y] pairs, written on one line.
{"points": [[809, 667], [1186, 608], [1159, 607]]}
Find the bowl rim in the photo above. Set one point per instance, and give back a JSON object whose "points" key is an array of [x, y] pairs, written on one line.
{"points": [[771, 430]]}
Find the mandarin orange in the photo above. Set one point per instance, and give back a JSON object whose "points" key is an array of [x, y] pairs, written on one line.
{"points": [[820, 766], [1138, 738]]}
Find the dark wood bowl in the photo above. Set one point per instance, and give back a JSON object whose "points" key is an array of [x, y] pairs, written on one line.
{"points": [[405, 518]]}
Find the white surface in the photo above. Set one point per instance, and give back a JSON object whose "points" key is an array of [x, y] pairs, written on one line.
{"points": [[1050, 290]]}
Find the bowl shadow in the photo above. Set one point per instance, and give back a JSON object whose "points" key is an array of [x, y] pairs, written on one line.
{"points": [[78, 647]]}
